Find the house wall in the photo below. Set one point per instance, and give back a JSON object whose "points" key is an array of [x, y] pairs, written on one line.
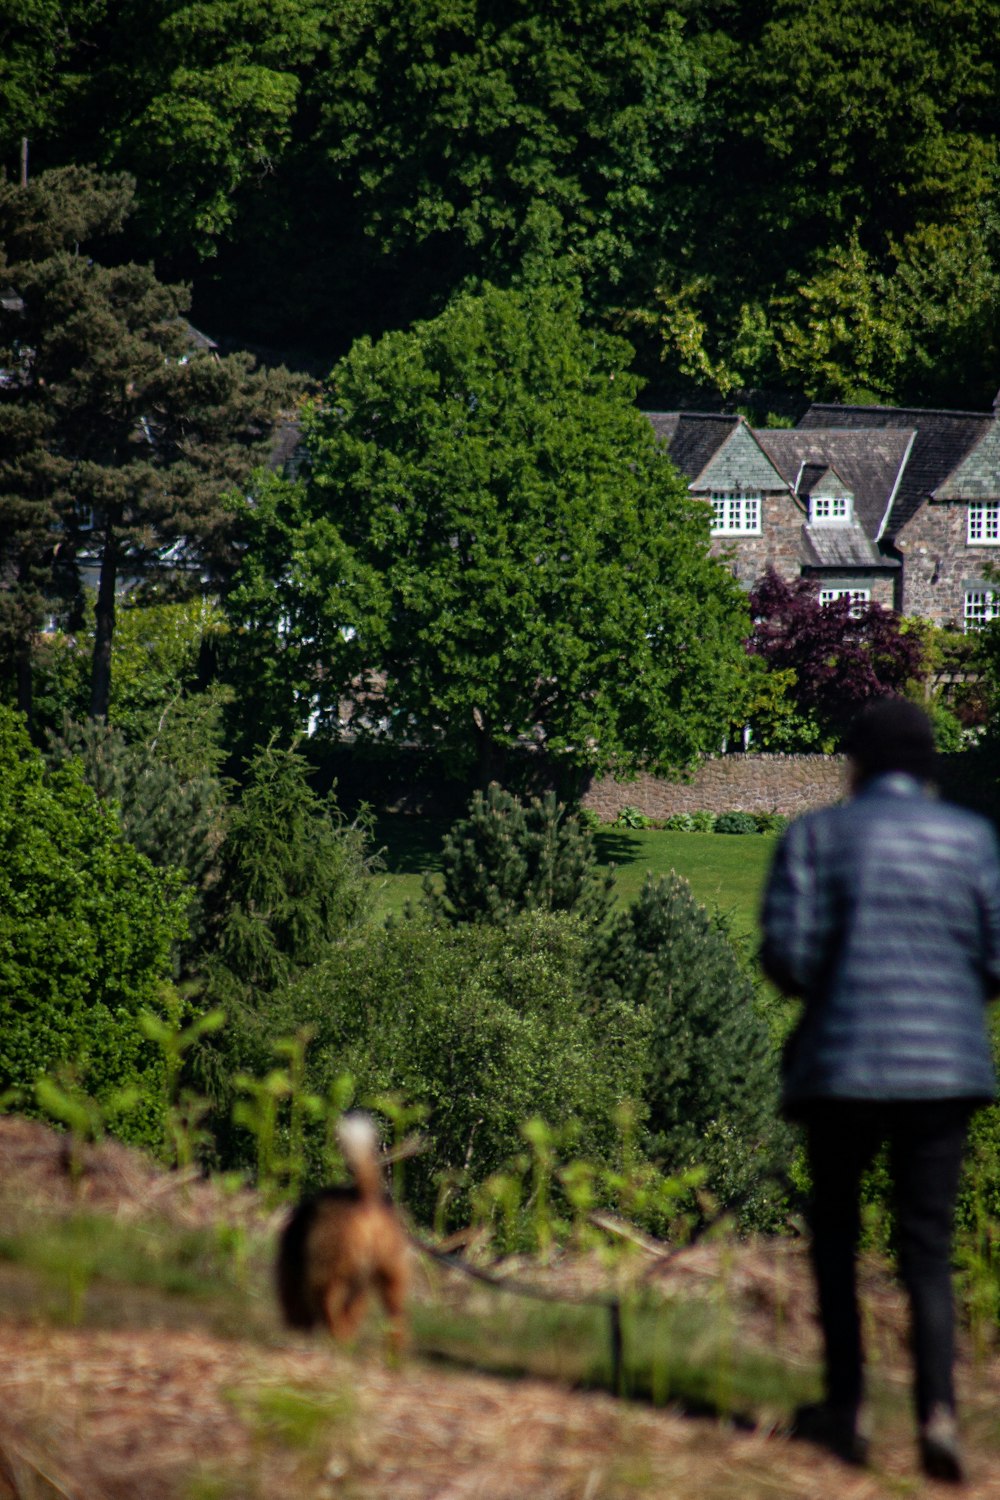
{"points": [[938, 563], [779, 546], [881, 586]]}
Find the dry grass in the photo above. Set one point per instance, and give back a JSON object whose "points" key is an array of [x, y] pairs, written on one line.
{"points": [[164, 1412]]}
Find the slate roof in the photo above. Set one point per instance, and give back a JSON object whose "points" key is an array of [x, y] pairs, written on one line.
{"points": [[692, 437], [841, 547], [941, 440], [811, 476], [872, 464]]}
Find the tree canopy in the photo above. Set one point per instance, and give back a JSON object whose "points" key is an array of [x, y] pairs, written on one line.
{"points": [[798, 197], [491, 551]]}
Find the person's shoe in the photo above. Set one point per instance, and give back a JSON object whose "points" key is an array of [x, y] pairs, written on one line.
{"points": [[939, 1451], [843, 1430]]}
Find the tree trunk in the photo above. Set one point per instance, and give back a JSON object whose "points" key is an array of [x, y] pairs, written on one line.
{"points": [[104, 615], [491, 758]]}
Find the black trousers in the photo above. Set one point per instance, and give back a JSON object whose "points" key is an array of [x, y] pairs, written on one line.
{"points": [[926, 1140]]}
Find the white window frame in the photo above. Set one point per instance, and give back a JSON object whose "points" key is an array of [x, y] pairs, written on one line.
{"points": [[830, 510], [736, 514], [858, 597], [981, 606], [984, 523]]}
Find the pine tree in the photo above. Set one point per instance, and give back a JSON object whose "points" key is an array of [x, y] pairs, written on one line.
{"points": [[294, 875], [119, 432], [711, 1091], [507, 856]]}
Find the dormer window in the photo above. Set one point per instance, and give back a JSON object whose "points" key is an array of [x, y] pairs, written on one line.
{"points": [[735, 515], [830, 510], [984, 522]]}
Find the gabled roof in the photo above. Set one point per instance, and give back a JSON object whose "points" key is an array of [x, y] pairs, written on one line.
{"points": [[977, 477], [872, 464], [942, 439], [821, 479], [692, 437], [714, 451]]}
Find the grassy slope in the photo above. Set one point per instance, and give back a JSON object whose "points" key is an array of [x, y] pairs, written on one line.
{"points": [[725, 870], [141, 1357]]}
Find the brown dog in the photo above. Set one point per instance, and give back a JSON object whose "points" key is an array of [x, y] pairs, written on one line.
{"points": [[342, 1242]]}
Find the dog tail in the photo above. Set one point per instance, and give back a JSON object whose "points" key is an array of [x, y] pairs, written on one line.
{"points": [[291, 1276], [358, 1141]]}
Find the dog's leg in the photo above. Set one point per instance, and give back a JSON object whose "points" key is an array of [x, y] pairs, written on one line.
{"points": [[344, 1310], [392, 1285]]}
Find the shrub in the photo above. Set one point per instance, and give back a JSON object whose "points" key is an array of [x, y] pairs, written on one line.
{"points": [[507, 856], [87, 927], [484, 1025], [680, 823], [589, 818], [702, 821], [175, 819], [631, 817], [770, 822], [735, 822], [711, 1090]]}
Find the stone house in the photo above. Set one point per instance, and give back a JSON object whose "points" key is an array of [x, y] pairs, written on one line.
{"points": [[897, 506]]}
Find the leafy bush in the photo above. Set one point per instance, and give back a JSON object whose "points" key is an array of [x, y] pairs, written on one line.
{"points": [[174, 819], [735, 822], [711, 1089], [702, 821], [484, 1025], [631, 817], [507, 856], [590, 818], [770, 822], [87, 927], [680, 823]]}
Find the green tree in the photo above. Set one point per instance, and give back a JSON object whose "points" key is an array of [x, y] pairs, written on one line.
{"points": [[711, 1089], [294, 876], [87, 928], [173, 815], [843, 231], [492, 134], [507, 856], [116, 429], [490, 536]]}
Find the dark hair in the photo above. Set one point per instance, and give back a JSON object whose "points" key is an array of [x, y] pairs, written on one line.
{"points": [[893, 734]]}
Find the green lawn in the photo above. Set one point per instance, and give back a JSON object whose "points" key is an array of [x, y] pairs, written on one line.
{"points": [[725, 870]]}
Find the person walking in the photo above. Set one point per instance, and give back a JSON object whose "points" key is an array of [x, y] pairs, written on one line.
{"points": [[882, 914]]}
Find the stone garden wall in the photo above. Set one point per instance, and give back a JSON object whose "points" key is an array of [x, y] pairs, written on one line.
{"points": [[787, 784]]}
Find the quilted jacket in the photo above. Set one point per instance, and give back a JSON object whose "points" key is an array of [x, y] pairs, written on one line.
{"points": [[883, 915]]}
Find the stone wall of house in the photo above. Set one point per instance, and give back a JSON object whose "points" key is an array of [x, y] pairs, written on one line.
{"points": [[787, 784], [779, 546], [938, 563], [881, 586]]}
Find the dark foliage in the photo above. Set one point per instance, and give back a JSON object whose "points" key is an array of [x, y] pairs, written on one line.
{"points": [[843, 654]]}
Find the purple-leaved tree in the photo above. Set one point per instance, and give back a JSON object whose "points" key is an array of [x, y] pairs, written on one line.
{"points": [[842, 653]]}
